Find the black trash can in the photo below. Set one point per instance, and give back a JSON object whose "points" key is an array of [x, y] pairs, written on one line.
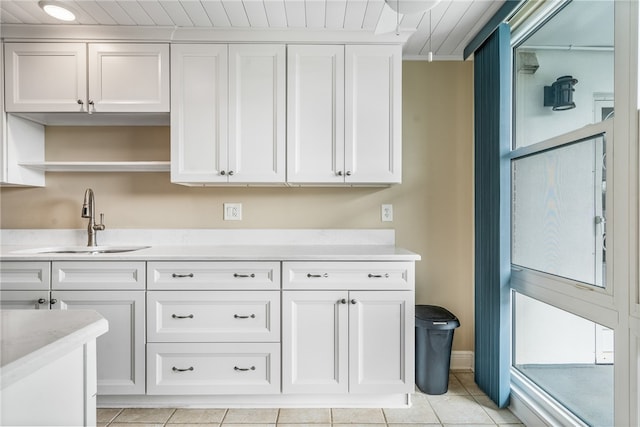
{"points": [[434, 336]]}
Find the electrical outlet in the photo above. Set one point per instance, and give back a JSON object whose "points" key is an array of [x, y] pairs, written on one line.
{"points": [[386, 212], [232, 211]]}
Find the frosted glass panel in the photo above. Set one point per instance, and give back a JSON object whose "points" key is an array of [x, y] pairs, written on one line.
{"points": [[559, 213]]}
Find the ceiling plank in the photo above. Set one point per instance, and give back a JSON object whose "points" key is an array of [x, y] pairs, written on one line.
{"points": [[372, 14], [236, 13], [8, 18], [276, 13], [471, 31], [354, 15], [412, 20], [443, 27], [334, 15], [116, 12], [136, 12], [196, 13], [465, 16], [315, 13], [295, 13], [420, 38], [177, 13], [256, 13], [156, 12], [94, 10], [217, 14], [19, 13], [82, 17]]}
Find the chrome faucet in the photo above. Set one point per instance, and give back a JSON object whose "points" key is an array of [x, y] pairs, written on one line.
{"points": [[88, 211]]}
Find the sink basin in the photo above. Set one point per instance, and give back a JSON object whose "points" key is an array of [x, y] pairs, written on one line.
{"points": [[102, 249]]}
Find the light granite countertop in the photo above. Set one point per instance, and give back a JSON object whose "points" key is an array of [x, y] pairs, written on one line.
{"points": [[33, 338], [223, 245]]}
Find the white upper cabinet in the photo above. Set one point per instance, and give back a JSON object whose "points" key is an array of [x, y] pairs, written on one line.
{"points": [[257, 111], [228, 114], [344, 114], [128, 77], [61, 77], [373, 120], [315, 123], [199, 99], [46, 77]]}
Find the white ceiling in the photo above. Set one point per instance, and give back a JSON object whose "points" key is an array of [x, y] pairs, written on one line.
{"points": [[452, 23]]}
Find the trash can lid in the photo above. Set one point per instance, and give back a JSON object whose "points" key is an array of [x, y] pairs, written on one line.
{"points": [[435, 317]]}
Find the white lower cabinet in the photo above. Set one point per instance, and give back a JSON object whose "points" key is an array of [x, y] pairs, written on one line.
{"points": [[120, 351], [355, 341], [213, 328], [265, 331], [213, 368]]}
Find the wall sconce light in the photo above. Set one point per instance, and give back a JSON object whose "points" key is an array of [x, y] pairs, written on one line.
{"points": [[559, 95]]}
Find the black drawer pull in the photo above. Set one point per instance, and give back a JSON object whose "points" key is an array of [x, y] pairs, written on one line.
{"points": [[174, 369], [240, 276], [253, 368], [378, 276], [315, 276], [175, 316], [236, 316], [180, 276]]}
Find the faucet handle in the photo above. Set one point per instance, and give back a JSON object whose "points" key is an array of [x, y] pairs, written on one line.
{"points": [[100, 227]]}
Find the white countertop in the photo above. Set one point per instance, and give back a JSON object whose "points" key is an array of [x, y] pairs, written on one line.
{"points": [[33, 338], [223, 245]]}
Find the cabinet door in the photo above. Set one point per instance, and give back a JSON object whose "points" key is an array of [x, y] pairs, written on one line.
{"points": [[45, 77], [381, 342], [121, 351], [257, 113], [24, 300], [373, 121], [315, 114], [125, 77], [315, 342], [199, 97]]}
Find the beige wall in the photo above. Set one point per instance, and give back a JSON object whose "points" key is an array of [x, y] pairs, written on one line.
{"points": [[433, 211]]}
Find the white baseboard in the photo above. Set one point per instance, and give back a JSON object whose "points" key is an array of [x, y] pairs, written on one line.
{"points": [[462, 361]]}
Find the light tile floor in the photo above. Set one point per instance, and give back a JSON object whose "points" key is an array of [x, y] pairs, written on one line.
{"points": [[463, 405]]}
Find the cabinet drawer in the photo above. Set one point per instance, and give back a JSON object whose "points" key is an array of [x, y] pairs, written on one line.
{"points": [[23, 300], [214, 275], [21, 275], [222, 316], [239, 368], [389, 275], [106, 275]]}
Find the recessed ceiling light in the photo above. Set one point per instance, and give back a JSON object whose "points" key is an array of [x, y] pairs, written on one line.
{"points": [[57, 10]]}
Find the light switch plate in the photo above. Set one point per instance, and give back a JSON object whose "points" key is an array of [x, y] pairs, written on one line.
{"points": [[232, 211]]}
